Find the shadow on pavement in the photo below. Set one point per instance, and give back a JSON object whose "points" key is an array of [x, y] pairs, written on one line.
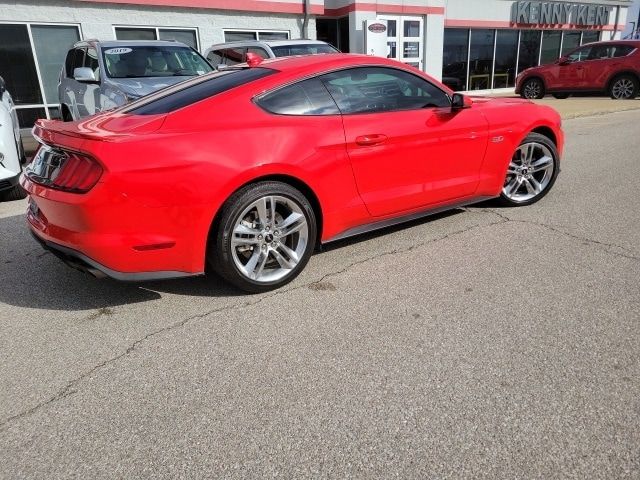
{"points": [[33, 278]]}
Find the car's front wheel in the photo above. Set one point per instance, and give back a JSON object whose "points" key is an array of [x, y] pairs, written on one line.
{"points": [[266, 234], [532, 171], [624, 87], [532, 88]]}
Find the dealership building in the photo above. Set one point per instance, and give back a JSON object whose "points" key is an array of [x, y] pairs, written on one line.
{"points": [[470, 44]]}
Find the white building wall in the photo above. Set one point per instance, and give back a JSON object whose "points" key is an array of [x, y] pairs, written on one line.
{"points": [[434, 44], [97, 20]]}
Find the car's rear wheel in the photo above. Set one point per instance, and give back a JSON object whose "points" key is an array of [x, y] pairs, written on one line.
{"points": [[266, 234], [560, 96], [532, 171], [624, 87], [532, 88]]}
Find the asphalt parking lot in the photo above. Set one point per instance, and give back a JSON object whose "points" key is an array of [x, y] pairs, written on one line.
{"points": [[481, 343]]}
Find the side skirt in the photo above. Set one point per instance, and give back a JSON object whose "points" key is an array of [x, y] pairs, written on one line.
{"points": [[389, 222]]}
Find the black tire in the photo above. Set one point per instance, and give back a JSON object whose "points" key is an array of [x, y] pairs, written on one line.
{"points": [[623, 87], [14, 193], [532, 88], [560, 96], [504, 200], [219, 253]]}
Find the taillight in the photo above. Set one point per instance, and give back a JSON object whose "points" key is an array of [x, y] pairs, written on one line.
{"points": [[62, 170], [78, 174]]}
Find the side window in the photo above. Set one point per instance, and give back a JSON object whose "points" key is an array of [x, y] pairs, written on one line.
{"points": [[258, 51], [215, 57], [622, 50], [232, 56], [308, 97], [379, 89], [580, 55], [91, 61], [75, 59]]}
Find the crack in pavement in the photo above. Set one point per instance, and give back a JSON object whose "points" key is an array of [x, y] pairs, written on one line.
{"points": [[69, 390], [630, 254]]}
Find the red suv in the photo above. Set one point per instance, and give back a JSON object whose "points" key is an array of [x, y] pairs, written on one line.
{"points": [[612, 67]]}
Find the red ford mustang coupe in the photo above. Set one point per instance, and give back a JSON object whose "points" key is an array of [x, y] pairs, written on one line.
{"points": [[247, 170]]}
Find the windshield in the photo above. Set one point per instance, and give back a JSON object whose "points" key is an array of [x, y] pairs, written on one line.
{"points": [[302, 49], [153, 61]]}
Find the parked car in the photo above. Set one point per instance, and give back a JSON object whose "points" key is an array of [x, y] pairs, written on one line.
{"points": [[611, 67], [11, 149], [98, 76], [232, 53], [317, 149]]}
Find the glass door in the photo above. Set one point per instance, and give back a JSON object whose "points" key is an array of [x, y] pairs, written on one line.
{"points": [[405, 37]]}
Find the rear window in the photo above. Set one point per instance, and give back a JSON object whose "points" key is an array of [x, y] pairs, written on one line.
{"points": [[194, 92], [302, 49]]}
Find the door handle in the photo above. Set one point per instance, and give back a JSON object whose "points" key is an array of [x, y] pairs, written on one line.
{"points": [[372, 139]]}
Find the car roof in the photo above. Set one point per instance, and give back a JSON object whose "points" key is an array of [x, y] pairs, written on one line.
{"points": [[632, 43], [327, 61], [269, 43], [130, 43]]}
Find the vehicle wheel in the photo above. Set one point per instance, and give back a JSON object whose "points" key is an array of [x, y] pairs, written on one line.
{"points": [[265, 236], [532, 88], [560, 96], [624, 87], [532, 171], [14, 193]]}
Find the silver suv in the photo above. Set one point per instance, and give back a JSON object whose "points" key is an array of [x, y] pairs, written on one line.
{"points": [[98, 76], [230, 53]]}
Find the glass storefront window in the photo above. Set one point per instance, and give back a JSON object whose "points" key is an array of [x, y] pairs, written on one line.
{"points": [[454, 59], [481, 59], [529, 49], [550, 46], [590, 36], [506, 56], [411, 28], [123, 33], [17, 65], [188, 37], [570, 41], [52, 44], [266, 36]]}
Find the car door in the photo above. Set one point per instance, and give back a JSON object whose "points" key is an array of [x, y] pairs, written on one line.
{"points": [[407, 147], [571, 74], [597, 65]]}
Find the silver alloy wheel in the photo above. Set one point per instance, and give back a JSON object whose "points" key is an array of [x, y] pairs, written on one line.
{"points": [[269, 238], [622, 88], [529, 172], [532, 89]]}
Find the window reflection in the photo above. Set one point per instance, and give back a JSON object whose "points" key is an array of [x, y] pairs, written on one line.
{"points": [[550, 46], [570, 40], [454, 59], [481, 59], [529, 49], [506, 57]]}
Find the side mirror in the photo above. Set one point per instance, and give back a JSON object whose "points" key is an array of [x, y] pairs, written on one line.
{"points": [[459, 101], [564, 61], [84, 74]]}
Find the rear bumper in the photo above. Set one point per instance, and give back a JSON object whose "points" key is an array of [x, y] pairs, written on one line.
{"points": [[106, 233], [81, 262]]}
